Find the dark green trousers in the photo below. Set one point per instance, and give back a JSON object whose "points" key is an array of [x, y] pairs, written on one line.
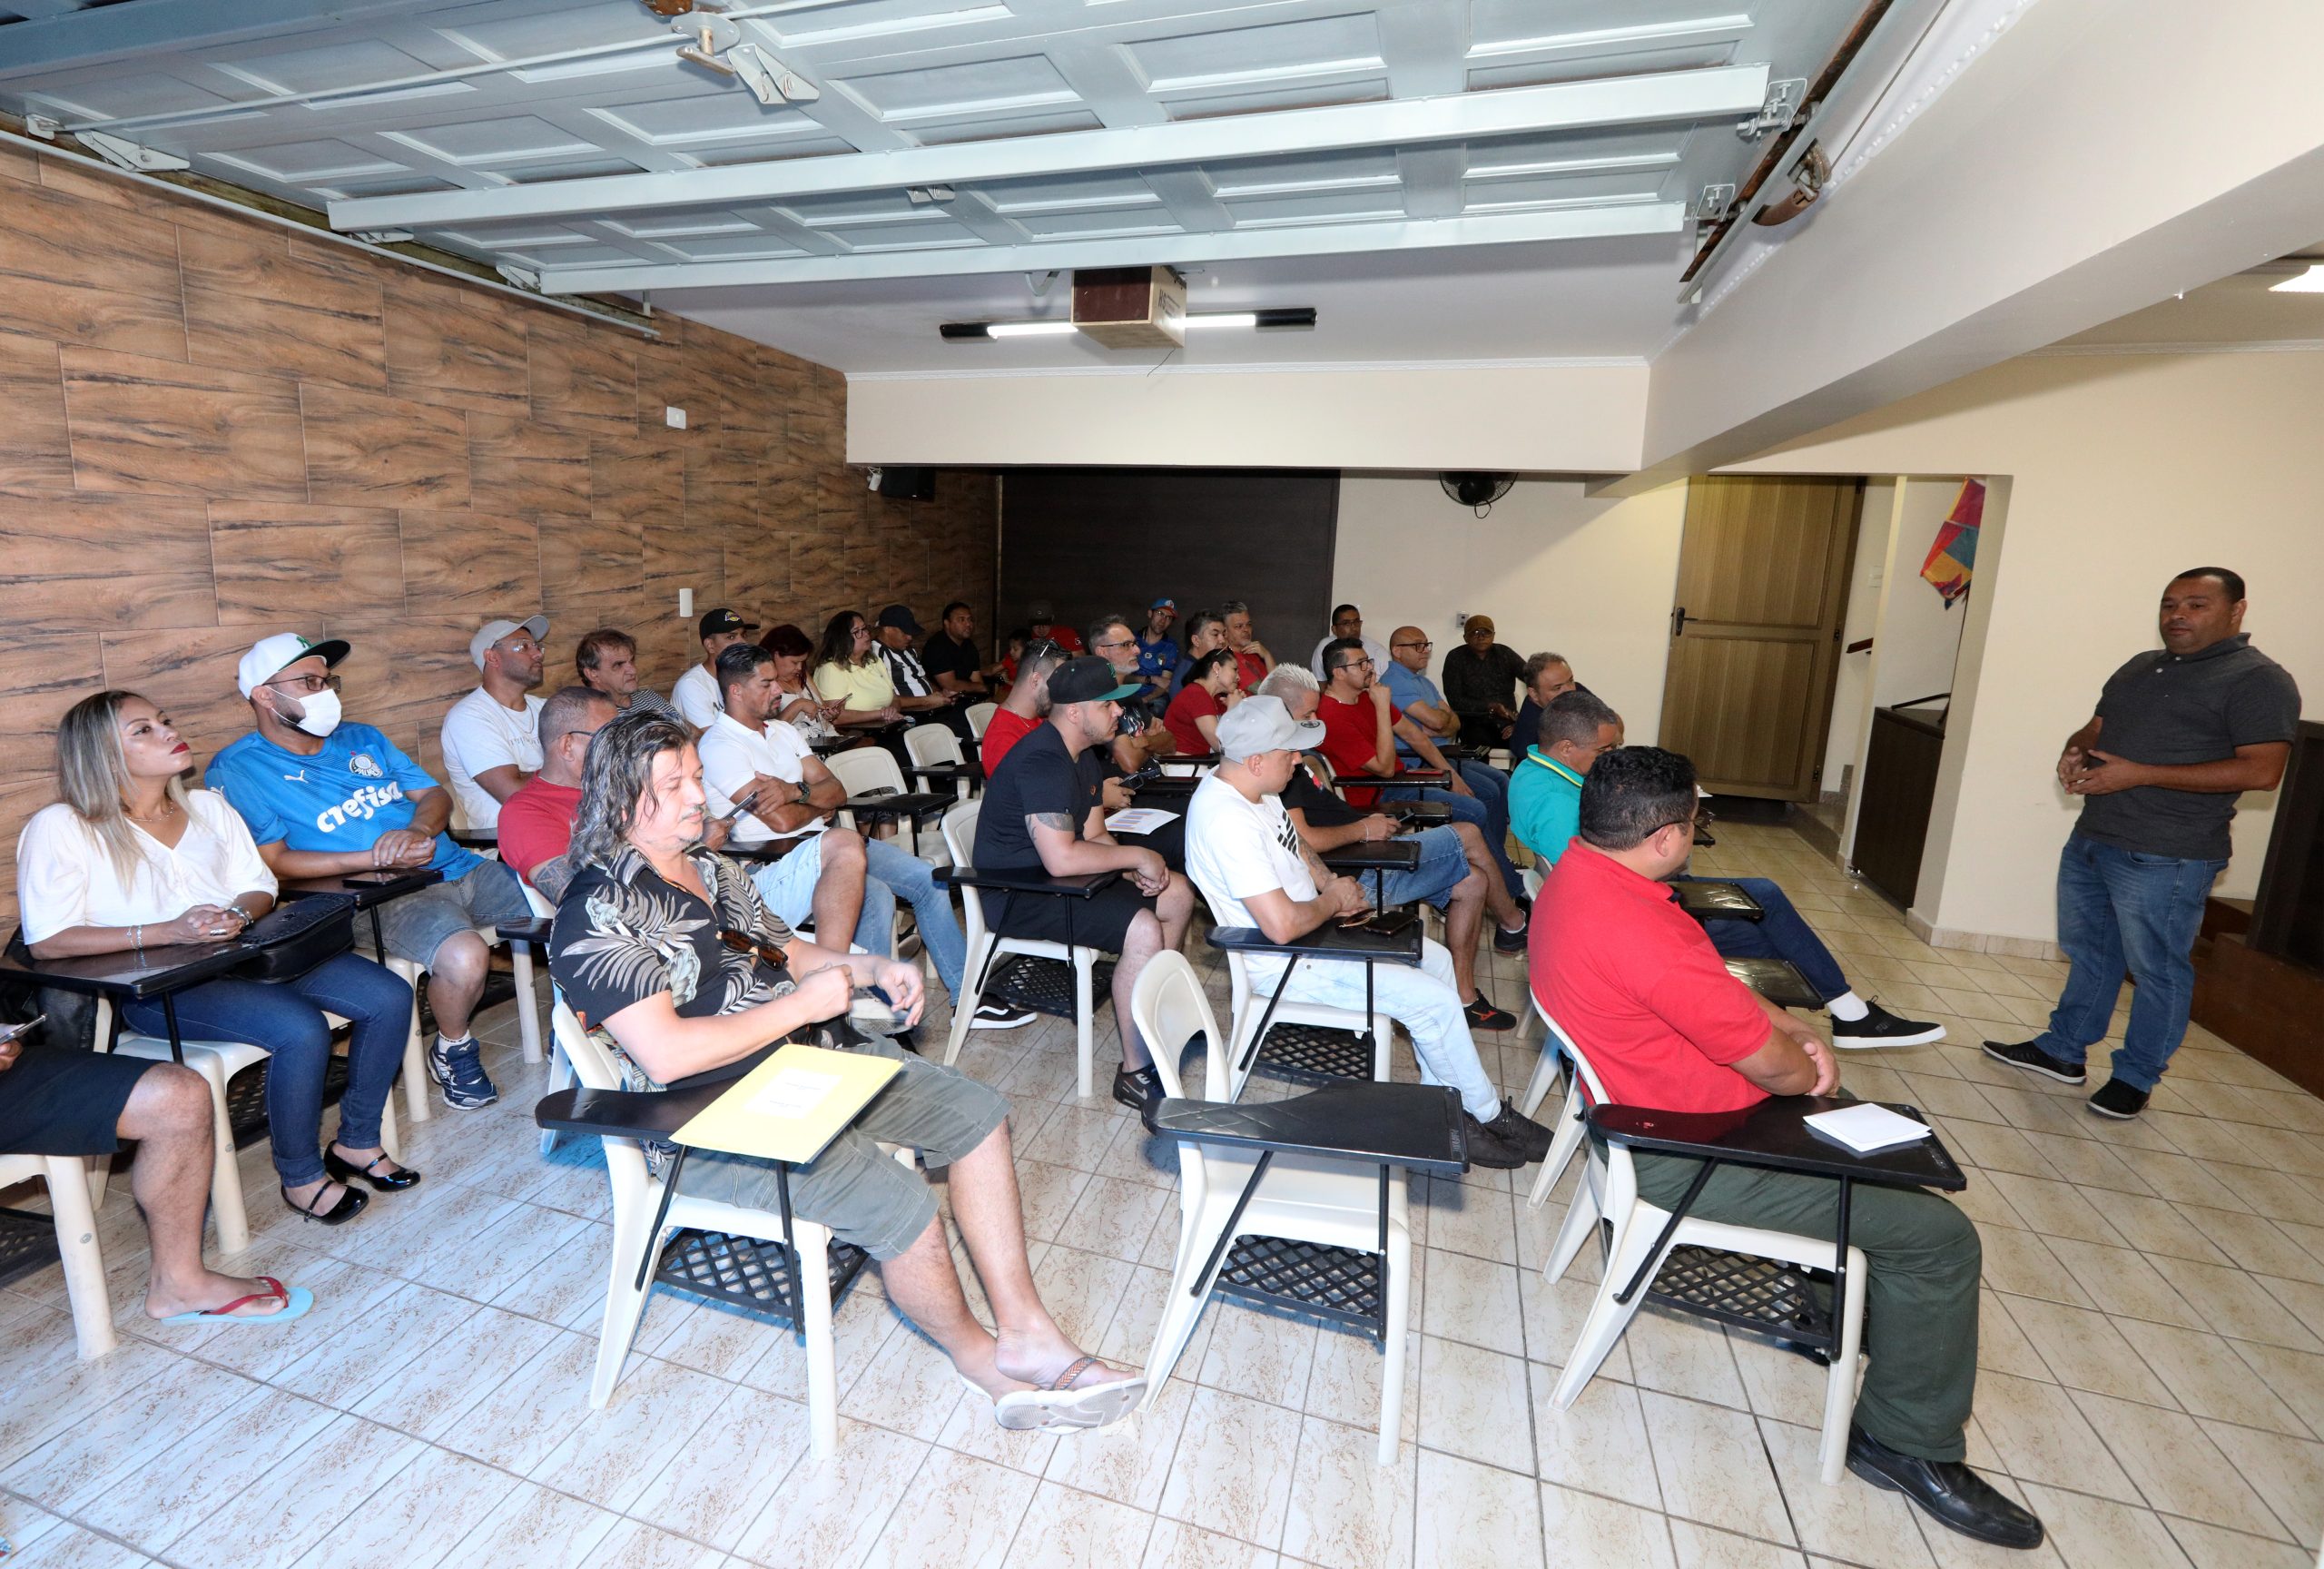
{"points": [[1920, 1304]]}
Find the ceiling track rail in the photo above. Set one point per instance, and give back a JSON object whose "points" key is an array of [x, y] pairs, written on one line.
{"points": [[1811, 102], [225, 198]]}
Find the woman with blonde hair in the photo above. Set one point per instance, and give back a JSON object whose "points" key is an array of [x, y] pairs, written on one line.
{"points": [[132, 860]]}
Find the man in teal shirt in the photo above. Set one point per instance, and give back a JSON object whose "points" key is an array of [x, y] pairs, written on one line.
{"points": [[1545, 812]]}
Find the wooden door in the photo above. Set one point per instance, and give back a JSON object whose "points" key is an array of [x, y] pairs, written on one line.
{"points": [[1755, 627]]}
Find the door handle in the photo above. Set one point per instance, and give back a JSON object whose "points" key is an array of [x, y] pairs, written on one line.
{"points": [[1677, 620]]}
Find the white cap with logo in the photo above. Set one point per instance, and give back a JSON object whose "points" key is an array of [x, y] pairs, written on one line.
{"points": [[1258, 724], [492, 632], [270, 656]]}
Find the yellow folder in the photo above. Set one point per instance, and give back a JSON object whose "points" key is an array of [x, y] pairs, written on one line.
{"points": [[791, 1105]]}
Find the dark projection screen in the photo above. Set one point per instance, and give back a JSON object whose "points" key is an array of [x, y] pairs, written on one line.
{"points": [[1093, 540]]}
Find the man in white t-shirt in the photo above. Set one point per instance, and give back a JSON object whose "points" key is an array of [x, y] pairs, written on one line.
{"points": [[849, 881], [491, 739], [1245, 856], [695, 693]]}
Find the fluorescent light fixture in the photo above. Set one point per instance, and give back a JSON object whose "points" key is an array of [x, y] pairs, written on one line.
{"points": [[1225, 319], [1274, 317], [1028, 329], [2308, 282]]}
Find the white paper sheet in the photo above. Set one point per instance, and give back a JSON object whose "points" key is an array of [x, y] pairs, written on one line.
{"points": [[1138, 820], [1866, 1127]]}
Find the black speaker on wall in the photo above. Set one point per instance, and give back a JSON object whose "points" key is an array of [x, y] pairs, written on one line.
{"points": [[908, 484]]}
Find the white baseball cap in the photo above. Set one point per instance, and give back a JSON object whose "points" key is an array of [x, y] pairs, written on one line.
{"points": [[270, 656], [492, 632], [1258, 724]]}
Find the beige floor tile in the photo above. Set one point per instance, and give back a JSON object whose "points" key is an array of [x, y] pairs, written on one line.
{"points": [[2124, 1283], [1348, 1510], [1114, 1218], [1081, 1290], [1473, 1404], [2098, 1534], [2161, 1224], [1701, 1547], [1174, 1545], [1228, 1475], [1681, 1355], [417, 1518], [2234, 1381], [1712, 1464], [1262, 1354], [2040, 1436], [1472, 1517], [609, 1456], [2288, 1473], [299, 1502], [2175, 1470], [958, 1511], [908, 1386], [1861, 1524], [2055, 1209], [1063, 1529], [530, 1412], [828, 1512], [1128, 1462], [1467, 1217], [2234, 1303], [569, 1287], [88, 1454], [1599, 1445], [2021, 1264], [1344, 1382], [536, 1528], [1472, 1300], [632, 1544], [2210, 1547], [710, 1488], [179, 1487], [2082, 1350], [69, 1546], [1129, 1337], [1605, 1530]]}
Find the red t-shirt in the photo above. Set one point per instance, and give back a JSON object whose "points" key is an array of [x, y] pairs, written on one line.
{"points": [[1251, 666], [1192, 702], [1064, 638], [1005, 730], [537, 825], [1349, 734], [1635, 982]]}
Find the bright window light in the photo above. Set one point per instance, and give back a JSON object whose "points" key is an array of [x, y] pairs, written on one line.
{"points": [[1028, 329], [1225, 319], [2308, 282]]}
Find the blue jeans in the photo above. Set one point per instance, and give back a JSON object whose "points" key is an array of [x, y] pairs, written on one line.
{"points": [[2125, 909], [908, 877], [1781, 934], [1442, 866], [286, 1018], [788, 888], [1490, 813]]}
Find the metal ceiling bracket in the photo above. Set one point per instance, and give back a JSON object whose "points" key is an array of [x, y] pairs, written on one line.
{"points": [[1785, 99], [1715, 203], [520, 277], [41, 127], [126, 155]]}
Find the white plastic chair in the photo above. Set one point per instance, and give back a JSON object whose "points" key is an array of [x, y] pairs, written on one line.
{"points": [[979, 715], [1248, 1003], [1567, 1137], [69, 1200], [1609, 1189], [1303, 1198], [985, 945], [560, 1071], [935, 746], [416, 1077], [636, 1192]]}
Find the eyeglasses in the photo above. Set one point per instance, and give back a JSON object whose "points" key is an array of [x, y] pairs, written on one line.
{"points": [[1042, 647], [1116, 643], [1363, 663], [521, 645], [309, 684], [1423, 645], [741, 944]]}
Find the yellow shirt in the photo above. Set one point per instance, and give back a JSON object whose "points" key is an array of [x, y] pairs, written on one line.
{"points": [[865, 686]]}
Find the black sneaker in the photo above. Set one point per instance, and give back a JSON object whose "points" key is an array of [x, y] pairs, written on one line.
{"points": [[1138, 1088], [1946, 1491], [1483, 1015], [1879, 1027], [1518, 1131], [2034, 1060], [1001, 1016], [1507, 942], [1487, 1148], [2119, 1101]]}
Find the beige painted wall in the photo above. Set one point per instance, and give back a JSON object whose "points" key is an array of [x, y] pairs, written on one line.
{"points": [[1561, 419], [1591, 580], [2122, 470]]}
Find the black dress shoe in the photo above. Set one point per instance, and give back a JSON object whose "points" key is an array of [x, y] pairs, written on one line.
{"points": [[1946, 1491], [351, 1204], [342, 1169]]}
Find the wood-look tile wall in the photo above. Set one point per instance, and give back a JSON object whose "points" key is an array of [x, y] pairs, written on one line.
{"points": [[211, 429]]}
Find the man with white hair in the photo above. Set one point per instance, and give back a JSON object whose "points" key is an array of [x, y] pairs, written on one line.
{"points": [[491, 737], [1245, 856]]}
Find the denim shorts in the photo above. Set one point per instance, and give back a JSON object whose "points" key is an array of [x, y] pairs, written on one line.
{"points": [[416, 925], [865, 1196]]}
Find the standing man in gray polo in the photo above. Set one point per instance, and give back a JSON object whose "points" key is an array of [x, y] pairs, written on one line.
{"points": [[2179, 733]]}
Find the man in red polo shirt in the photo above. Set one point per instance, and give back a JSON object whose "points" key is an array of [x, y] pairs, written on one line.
{"points": [[1637, 985]]}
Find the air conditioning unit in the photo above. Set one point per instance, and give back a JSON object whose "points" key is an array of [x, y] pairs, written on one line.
{"points": [[1131, 306]]}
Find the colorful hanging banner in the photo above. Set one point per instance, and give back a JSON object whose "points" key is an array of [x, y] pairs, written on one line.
{"points": [[1952, 558]]}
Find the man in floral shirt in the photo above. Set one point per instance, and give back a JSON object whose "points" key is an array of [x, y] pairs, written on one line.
{"points": [[665, 950]]}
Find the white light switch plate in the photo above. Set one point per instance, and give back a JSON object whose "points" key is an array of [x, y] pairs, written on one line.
{"points": [[685, 602], [674, 417]]}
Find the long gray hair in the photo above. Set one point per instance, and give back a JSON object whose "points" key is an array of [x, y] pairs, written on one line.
{"points": [[616, 778], [93, 776]]}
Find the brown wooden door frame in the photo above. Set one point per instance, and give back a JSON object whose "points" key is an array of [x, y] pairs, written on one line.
{"points": [[1748, 540]]}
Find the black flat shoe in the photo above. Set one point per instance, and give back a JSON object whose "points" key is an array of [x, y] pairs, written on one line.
{"points": [[342, 1169], [351, 1204], [1946, 1491]]}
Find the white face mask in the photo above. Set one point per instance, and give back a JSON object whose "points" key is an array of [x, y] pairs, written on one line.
{"points": [[318, 717]]}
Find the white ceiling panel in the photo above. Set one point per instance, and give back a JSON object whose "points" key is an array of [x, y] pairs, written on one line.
{"points": [[1442, 178]]}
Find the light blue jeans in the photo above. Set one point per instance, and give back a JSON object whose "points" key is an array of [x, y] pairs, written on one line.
{"points": [[788, 887], [2125, 909], [907, 877], [1422, 1000]]}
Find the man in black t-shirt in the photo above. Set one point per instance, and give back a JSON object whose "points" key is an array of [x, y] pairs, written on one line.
{"points": [[1042, 815], [950, 655], [2186, 729]]}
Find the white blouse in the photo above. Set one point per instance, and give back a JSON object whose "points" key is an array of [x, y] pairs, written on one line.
{"points": [[65, 877]]}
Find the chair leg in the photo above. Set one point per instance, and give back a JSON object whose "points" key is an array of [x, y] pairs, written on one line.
{"points": [[85, 1265], [1545, 1077], [389, 1139], [101, 1170], [964, 1008], [529, 1006], [226, 1205], [624, 1299], [560, 1075], [812, 1250], [1563, 1142], [1383, 1048], [1839, 1388], [1398, 1267], [1085, 1024], [1608, 1318], [1180, 1312], [1581, 1220], [414, 1051]]}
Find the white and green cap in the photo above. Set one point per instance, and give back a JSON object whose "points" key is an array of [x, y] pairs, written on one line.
{"points": [[269, 656]]}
